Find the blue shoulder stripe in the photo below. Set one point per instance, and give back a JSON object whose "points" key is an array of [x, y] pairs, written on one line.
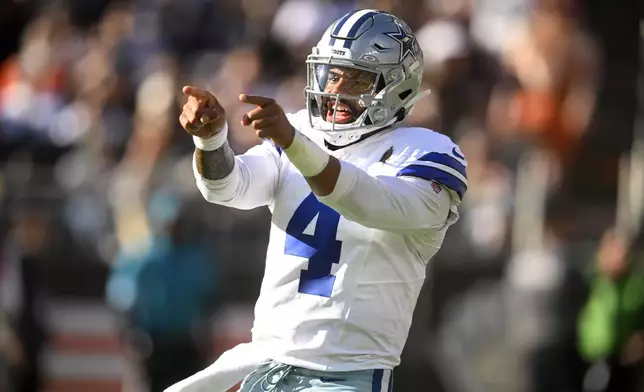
{"points": [[434, 174], [445, 159]]}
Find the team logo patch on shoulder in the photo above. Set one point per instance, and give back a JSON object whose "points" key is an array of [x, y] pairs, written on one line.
{"points": [[436, 187], [387, 155]]}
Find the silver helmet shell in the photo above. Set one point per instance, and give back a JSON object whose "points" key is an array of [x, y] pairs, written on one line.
{"points": [[374, 41]]}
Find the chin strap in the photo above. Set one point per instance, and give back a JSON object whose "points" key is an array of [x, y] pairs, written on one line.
{"points": [[409, 107]]}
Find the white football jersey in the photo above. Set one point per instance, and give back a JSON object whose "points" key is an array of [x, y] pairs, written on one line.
{"points": [[343, 272]]}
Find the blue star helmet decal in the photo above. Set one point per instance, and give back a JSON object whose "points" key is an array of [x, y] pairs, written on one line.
{"points": [[406, 41]]}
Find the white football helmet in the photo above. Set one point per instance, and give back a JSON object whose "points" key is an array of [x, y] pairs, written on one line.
{"points": [[371, 41]]}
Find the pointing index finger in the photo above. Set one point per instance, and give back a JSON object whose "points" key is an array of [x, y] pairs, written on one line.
{"points": [[256, 100], [199, 93]]}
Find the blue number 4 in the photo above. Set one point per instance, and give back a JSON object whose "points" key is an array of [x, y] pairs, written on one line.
{"points": [[321, 248]]}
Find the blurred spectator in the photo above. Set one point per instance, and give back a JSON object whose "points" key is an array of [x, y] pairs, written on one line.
{"points": [[165, 290], [486, 215], [448, 64], [11, 356], [545, 293], [612, 322], [32, 86], [552, 68], [25, 256]]}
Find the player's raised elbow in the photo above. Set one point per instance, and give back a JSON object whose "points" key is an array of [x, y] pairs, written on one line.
{"points": [[227, 197], [212, 196]]}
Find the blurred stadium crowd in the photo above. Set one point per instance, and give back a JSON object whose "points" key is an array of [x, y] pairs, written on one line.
{"points": [[116, 275]]}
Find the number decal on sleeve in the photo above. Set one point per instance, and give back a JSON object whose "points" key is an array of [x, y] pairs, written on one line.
{"points": [[322, 248]]}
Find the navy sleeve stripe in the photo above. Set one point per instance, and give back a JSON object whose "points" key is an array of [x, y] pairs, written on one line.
{"points": [[434, 174], [445, 159], [279, 150]]}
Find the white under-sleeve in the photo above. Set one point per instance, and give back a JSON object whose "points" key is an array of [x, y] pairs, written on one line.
{"points": [[397, 204], [252, 183]]}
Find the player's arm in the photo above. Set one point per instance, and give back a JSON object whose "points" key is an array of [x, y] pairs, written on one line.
{"points": [[246, 181], [411, 201]]}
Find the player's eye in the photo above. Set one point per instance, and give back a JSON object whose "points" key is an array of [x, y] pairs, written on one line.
{"points": [[334, 77], [362, 85], [362, 82]]}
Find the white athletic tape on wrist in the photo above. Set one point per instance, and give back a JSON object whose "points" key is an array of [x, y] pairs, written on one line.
{"points": [[307, 156], [214, 142]]}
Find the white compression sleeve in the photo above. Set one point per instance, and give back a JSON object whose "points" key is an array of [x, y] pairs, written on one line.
{"points": [[307, 156]]}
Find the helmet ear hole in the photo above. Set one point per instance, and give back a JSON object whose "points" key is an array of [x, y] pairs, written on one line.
{"points": [[375, 115], [380, 84], [402, 113], [404, 94]]}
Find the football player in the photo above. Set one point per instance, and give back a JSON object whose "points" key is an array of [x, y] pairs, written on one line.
{"points": [[360, 203]]}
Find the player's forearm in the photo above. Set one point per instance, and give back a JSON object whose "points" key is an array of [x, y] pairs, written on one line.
{"points": [[320, 170], [387, 203], [216, 164], [324, 183]]}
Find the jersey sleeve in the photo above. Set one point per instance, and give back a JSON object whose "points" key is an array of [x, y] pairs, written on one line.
{"points": [[389, 203], [423, 194], [448, 168], [252, 183]]}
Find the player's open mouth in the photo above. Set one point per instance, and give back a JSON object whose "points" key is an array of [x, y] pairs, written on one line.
{"points": [[344, 113]]}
